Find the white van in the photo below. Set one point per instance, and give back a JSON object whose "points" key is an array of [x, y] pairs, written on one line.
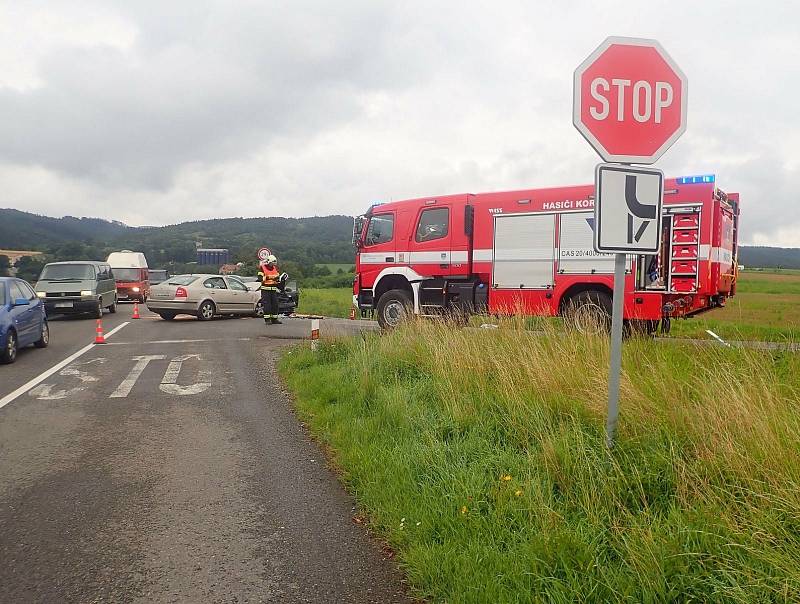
{"points": [[131, 274]]}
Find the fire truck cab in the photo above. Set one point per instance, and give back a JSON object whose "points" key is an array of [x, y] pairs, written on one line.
{"points": [[531, 252]]}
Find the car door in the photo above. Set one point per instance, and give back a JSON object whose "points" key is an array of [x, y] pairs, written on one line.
{"points": [[243, 299], [219, 293], [22, 316], [107, 285], [36, 310]]}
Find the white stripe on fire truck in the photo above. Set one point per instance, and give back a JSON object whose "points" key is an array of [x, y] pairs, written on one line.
{"points": [[405, 257], [706, 252]]}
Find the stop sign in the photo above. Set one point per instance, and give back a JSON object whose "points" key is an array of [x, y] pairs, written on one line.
{"points": [[630, 100]]}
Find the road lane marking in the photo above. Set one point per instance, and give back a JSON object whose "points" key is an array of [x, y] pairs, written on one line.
{"points": [[44, 391], [169, 384], [125, 387], [57, 367]]}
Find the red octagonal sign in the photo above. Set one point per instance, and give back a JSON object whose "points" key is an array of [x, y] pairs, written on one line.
{"points": [[630, 100]]}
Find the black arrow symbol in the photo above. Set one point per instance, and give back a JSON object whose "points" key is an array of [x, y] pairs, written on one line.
{"points": [[638, 209]]}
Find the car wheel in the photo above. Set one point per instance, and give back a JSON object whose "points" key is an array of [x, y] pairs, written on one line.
{"points": [[394, 307], [113, 308], [206, 311], [9, 353], [589, 312], [98, 312], [167, 316], [259, 310], [43, 341]]}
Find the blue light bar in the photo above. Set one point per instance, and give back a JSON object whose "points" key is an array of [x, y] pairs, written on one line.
{"points": [[693, 180]]}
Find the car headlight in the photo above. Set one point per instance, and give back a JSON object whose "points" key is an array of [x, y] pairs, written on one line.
{"points": [[41, 294], [86, 293], [136, 289]]}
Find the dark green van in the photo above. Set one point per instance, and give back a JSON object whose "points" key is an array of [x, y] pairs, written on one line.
{"points": [[77, 287]]}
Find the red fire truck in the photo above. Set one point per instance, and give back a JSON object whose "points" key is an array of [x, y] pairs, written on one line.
{"points": [[531, 252]]}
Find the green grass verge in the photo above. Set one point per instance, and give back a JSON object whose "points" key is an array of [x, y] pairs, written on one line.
{"points": [[748, 316], [333, 302], [766, 307], [479, 455]]}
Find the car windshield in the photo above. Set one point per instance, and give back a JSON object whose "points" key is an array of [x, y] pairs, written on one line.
{"points": [[67, 272], [127, 274], [182, 280]]}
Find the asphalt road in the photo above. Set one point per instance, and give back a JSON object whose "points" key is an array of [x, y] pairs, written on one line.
{"points": [[167, 466]]}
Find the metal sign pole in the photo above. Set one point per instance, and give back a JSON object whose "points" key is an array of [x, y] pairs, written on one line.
{"points": [[615, 367]]}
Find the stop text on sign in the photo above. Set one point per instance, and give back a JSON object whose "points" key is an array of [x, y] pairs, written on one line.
{"points": [[629, 100], [645, 101]]}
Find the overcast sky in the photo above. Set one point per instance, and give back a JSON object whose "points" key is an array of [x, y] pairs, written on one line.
{"points": [[155, 112]]}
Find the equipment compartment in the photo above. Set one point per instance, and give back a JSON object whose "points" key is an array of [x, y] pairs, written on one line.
{"points": [[686, 221], [684, 236], [683, 284], [688, 252], [683, 267]]}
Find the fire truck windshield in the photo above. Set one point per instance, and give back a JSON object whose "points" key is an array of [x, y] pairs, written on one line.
{"points": [[380, 229]]}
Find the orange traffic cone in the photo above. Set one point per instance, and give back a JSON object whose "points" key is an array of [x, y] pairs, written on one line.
{"points": [[99, 338], [136, 310], [352, 313]]}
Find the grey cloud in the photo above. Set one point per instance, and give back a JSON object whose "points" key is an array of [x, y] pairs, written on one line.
{"points": [[317, 107], [199, 89]]}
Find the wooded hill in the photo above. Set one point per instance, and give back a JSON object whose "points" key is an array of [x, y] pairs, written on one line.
{"points": [[307, 240], [299, 240]]}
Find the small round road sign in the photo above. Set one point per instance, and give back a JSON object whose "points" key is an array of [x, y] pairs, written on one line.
{"points": [[630, 100], [263, 253]]}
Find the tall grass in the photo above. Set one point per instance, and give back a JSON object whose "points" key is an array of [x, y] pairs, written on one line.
{"points": [[479, 454]]}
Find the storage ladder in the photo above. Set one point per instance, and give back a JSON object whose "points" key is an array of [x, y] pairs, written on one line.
{"points": [[684, 250]]}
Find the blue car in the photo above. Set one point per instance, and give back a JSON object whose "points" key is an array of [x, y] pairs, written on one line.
{"points": [[22, 319]]}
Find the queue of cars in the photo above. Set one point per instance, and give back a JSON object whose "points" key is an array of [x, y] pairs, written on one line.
{"points": [[89, 287], [207, 295]]}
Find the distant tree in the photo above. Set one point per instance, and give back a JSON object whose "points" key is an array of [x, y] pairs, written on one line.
{"points": [[29, 268], [5, 266]]}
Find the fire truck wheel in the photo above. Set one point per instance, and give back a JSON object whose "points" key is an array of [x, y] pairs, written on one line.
{"points": [[393, 308], [589, 312]]}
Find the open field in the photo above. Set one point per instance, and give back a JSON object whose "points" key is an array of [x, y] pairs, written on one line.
{"points": [[766, 307], [479, 455], [332, 302], [14, 255], [333, 267]]}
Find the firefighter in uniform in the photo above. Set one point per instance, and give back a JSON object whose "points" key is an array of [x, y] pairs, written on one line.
{"points": [[270, 283]]}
